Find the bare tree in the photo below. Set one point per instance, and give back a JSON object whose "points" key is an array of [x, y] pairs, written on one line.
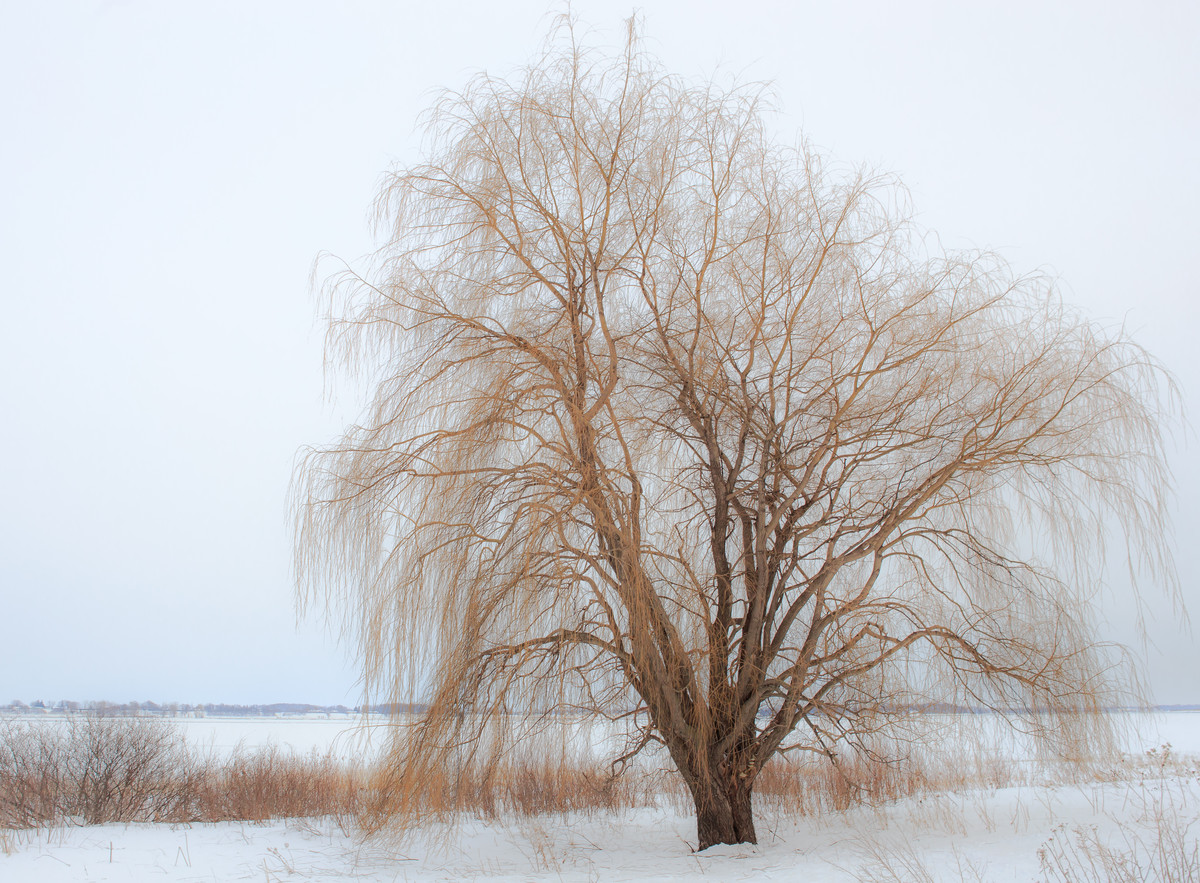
{"points": [[669, 422]]}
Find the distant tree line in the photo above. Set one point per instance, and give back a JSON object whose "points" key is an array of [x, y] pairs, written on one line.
{"points": [[183, 709], [223, 709]]}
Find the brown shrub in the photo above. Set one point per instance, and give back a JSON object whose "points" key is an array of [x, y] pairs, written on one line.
{"points": [[95, 769]]}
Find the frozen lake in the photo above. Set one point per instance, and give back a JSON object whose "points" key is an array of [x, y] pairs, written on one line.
{"points": [[343, 736], [351, 736]]}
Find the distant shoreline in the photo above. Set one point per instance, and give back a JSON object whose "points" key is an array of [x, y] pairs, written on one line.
{"points": [[303, 710]]}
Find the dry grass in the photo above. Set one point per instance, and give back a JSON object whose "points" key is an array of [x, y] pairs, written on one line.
{"points": [[890, 770], [814, 788], [541, 779], [1147, 835], [536, 780], [522, 788], [1156, 843], [901, 862], [269, 784]]}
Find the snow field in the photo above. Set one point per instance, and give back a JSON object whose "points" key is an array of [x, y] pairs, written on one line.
{"points": [[1021, 833], [992, 836]]}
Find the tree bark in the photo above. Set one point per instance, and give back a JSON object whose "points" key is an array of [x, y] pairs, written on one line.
{"points": [[723, 811]]}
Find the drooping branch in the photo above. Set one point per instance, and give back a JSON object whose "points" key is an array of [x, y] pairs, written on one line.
{"points": [[671, 426]]}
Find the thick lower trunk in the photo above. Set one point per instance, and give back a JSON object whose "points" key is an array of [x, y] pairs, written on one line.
{"points": [[724, 813]]}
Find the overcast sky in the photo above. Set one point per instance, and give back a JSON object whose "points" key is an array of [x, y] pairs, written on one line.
{"points": [[171, 170]]}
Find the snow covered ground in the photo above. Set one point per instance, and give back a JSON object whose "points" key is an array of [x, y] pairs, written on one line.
{"points": [[970, 836], [973, 835]]}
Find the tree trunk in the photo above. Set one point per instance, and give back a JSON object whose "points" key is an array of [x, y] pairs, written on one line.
{"points": [[723, 811]]}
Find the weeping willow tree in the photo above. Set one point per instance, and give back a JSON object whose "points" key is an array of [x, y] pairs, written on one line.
{"points": [[670, 423]]}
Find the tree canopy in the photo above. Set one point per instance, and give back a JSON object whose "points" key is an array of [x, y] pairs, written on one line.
{"points": [[671, 423]]}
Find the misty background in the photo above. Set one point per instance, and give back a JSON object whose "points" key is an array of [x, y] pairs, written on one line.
{"points": [[169, 173]]}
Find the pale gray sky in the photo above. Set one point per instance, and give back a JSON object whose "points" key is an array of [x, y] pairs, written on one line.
{"points": [[171, 170]]}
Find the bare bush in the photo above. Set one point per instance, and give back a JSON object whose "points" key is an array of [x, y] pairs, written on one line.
{"points": [[31, 775], [123, 769], [92, 769]]}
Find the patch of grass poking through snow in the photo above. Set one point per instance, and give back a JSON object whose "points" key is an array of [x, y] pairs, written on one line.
{"points": [[888, 773], [896, 861], [1156, 843]]}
